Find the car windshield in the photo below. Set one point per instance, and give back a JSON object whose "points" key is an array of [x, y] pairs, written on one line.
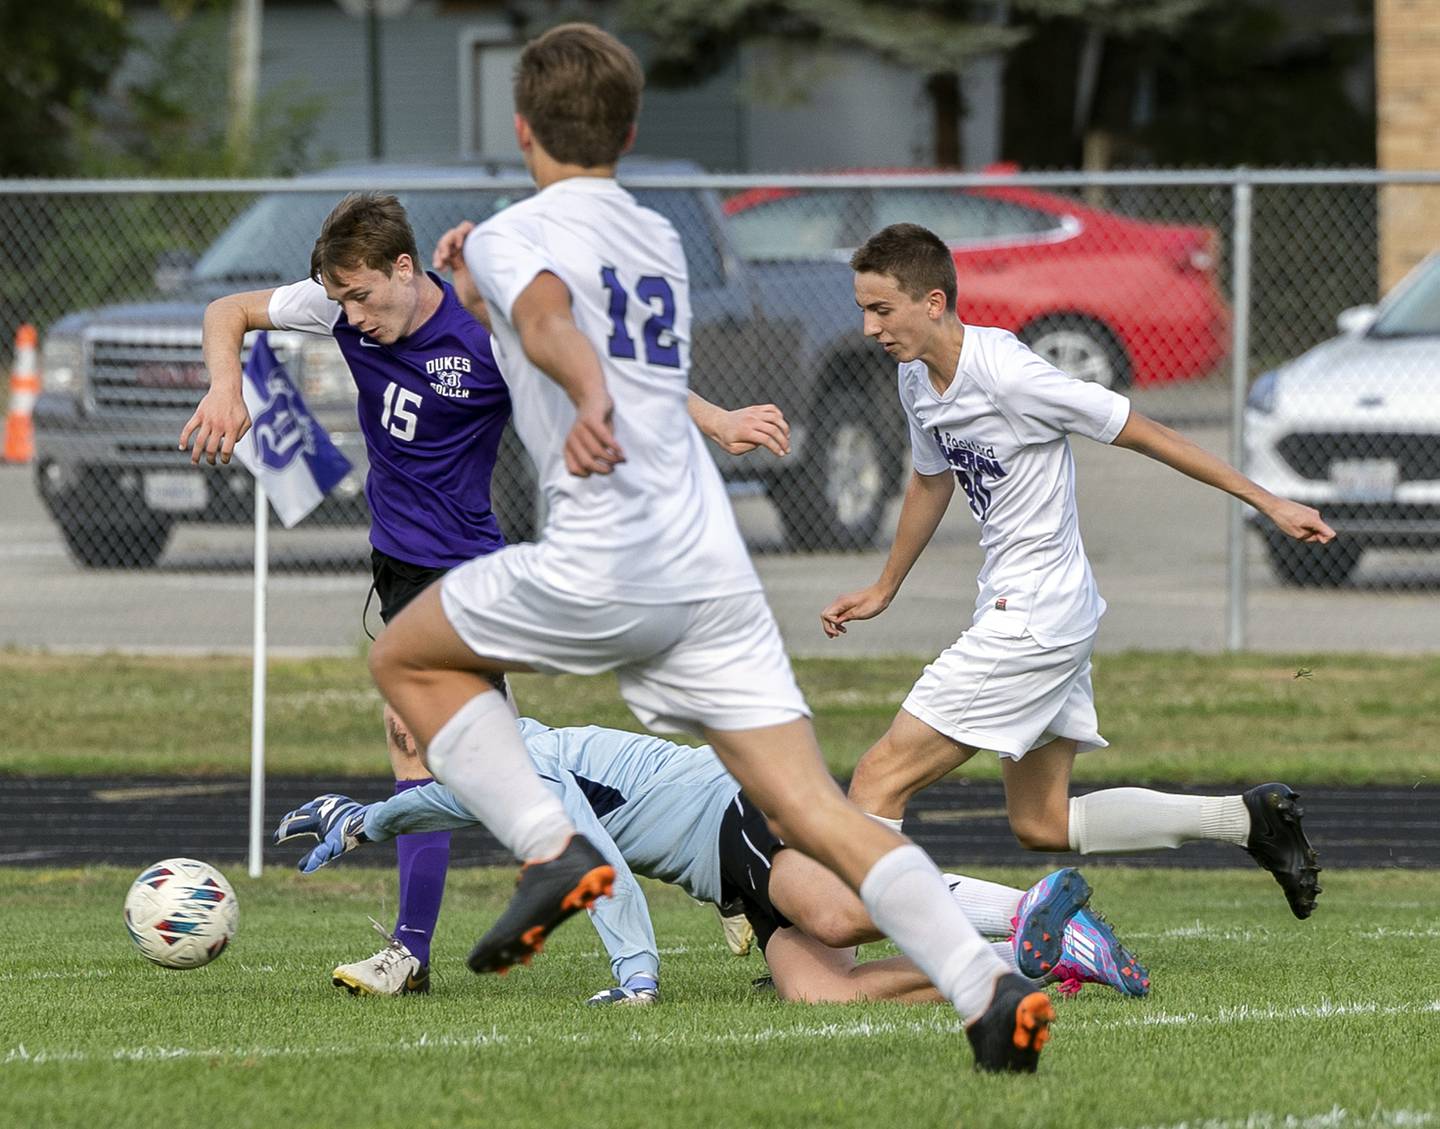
{"points": [[271, 241], [1416, 309]]}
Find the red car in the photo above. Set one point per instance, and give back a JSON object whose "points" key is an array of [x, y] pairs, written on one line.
{"points": [[1102, 296]]}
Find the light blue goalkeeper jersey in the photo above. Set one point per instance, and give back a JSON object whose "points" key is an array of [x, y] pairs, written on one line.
{"points": [[650, 806]]}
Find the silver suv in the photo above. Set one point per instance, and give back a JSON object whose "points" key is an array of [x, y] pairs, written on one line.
{"points": [[1353, 428]]}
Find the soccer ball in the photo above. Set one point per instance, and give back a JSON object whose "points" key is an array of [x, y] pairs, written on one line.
{"points": [[181, 913]]}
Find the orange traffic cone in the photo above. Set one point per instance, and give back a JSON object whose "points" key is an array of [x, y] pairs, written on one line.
{"points": [[24, 391]]}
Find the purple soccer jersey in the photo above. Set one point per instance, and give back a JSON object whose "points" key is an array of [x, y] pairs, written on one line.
{"points": [[432, 407]]}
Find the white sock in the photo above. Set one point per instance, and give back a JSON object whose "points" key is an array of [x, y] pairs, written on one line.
{"points": [[1127, 820], [479, 755], [1006, 952], [910, 903], [893, 824], [989, 906]]}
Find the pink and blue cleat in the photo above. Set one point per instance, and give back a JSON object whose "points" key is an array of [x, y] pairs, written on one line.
{"points": [[1043, 918], [1091, 954]]}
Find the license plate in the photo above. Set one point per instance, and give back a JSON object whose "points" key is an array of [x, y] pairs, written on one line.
{"points": [[176, 492], [1365, 480]]}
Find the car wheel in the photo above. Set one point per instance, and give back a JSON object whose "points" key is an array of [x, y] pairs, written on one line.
{"points": [[1082, 347], [848, 474], [1310, 565], [117, 546]]}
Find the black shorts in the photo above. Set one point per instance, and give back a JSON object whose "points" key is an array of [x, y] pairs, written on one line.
{"points": [[747, 847], [397, 582]]}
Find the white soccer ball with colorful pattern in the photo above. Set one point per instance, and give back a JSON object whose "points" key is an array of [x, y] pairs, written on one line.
{"points": [[181, 913]]}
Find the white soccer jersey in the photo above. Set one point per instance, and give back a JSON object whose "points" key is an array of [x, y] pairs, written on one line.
{"points": [[660, 528], [304, 306], [1001, 427]]}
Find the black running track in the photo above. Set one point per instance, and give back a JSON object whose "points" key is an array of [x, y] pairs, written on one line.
{"points": [[131, 821]]}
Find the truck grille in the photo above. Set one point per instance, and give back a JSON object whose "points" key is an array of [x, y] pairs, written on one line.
{"points": [[1310, 453], [159, 372]]}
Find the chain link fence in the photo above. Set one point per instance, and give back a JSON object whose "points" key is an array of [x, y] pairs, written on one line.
{"points": [[1143, 282]]}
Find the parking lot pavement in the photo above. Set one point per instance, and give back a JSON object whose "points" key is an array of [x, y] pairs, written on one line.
{"points": [[1156, 540]]}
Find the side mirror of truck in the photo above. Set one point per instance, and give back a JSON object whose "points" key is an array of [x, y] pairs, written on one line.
{"points": [[172, 269]]}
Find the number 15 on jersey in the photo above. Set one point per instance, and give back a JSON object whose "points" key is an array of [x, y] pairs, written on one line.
{"points": [[399, 417]]}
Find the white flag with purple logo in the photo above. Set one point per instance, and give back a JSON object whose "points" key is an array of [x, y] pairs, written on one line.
{"points": [[287, 451]]}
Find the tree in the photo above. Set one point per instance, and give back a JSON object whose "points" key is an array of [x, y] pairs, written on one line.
{"points": [[56, 59], [695, 39]]}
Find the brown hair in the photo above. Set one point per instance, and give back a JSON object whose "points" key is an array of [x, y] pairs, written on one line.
{"points": [[914, 256], [579, 88], [367, 229]]}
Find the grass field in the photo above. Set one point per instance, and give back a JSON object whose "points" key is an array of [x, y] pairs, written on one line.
{"points": [[1334, 719], [1256, 1021]]}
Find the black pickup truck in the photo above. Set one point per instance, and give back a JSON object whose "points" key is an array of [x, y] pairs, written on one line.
{"points": [[121, 380]]}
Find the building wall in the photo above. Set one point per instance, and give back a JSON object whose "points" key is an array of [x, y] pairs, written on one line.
{"points": [[1407, 53], [770, 112]]}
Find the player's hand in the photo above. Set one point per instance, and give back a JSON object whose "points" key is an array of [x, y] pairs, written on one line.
{"points": [[450, 249], [590, 448], [760, 425], [867, 603], [1300, 522], [218, 424], [337, 821], [637, 991]]}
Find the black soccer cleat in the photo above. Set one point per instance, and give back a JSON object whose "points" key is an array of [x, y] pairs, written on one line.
{"points": [[546, 893], [1012, 1031], [1277, 842]]}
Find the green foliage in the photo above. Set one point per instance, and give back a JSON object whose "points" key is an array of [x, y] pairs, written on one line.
{"points": [[695, 39], [1193, 84], [56, 59], [1255, 1020], [171, 121]]}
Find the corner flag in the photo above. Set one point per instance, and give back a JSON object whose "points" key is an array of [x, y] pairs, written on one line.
{"points": [[285, 448]]}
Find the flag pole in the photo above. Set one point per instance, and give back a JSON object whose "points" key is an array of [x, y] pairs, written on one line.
{"points": [[257, 702]]}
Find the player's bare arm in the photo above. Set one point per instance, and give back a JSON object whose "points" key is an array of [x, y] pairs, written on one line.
{"points": [[221, 419], [1143, 434], [553, 342], [450, 255], [740, 431], [927, 496]]}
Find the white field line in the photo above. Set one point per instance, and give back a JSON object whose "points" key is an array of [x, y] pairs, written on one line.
{"points": [[1337, 1117], [21, 1055], [1246, 934]]}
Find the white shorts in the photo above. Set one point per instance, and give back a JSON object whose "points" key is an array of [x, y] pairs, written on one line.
{"points": [[716, 663], [1009, 695]]}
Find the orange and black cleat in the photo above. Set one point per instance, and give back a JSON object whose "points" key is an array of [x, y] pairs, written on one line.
{"points": [[1013, 1030], [545, 895]]}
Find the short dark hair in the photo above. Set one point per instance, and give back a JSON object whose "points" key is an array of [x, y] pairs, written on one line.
{"points": [[579, 88], [367, 229], [914, 256]]}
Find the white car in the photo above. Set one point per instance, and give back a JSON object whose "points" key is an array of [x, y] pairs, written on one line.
{"points": [[1353, 428]]}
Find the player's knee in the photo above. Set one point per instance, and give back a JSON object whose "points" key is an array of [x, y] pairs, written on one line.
{"points": [[882, 777], [838, 929], [1036, 832]]}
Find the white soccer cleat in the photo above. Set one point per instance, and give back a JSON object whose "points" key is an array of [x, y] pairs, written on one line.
{"points": [[739, 933], [393, 971]]}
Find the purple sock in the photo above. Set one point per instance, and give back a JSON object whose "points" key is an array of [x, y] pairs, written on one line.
{"points": [[423, 859]]}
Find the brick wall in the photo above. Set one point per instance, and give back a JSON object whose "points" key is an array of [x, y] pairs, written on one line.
{"points": [[1407, 55]]}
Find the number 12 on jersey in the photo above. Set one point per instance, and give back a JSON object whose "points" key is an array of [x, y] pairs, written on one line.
{"points": [[656, 295]]}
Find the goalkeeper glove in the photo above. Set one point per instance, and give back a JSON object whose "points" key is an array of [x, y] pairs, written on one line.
{"points": [[337, 821]]}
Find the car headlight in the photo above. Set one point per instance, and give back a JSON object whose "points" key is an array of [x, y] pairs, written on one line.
{"points": [[324, 374], [62, 364], [1262, 393]]}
